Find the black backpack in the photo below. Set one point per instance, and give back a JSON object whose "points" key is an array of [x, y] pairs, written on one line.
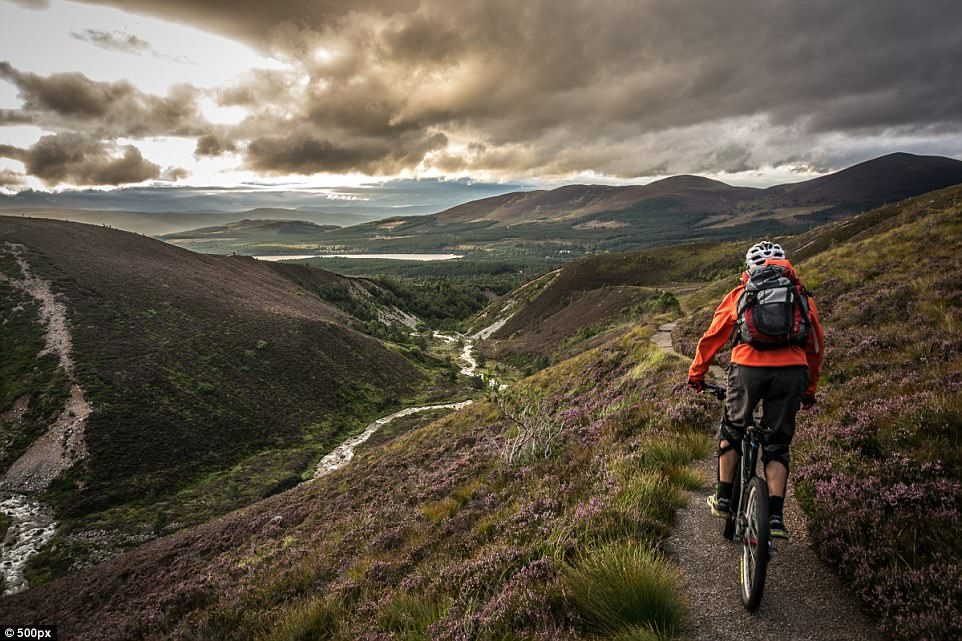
{"points": [[773, 310]]}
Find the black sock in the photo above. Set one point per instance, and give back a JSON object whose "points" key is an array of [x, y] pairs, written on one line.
{"points": [[776, 504], [723, 490]]}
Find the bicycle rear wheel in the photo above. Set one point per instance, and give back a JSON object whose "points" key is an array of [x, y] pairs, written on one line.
{"points": [[755, 543]]}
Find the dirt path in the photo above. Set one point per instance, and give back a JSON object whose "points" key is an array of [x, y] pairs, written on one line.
{"points": [[804, 600], [59, 447], [63, 442]]}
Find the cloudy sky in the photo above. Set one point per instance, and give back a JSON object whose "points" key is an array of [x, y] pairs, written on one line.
{"points": [[328, 94]]}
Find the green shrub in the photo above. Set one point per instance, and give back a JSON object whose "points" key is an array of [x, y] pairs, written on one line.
{"points": [[676, 449], [651, 496], [684, 477], [623, 584]]}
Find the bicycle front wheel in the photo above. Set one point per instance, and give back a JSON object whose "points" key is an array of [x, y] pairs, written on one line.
{"points": [[755, 543]]}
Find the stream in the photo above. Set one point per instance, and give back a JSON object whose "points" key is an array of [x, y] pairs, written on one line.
{"points": [[33, 526], [343, 453]]}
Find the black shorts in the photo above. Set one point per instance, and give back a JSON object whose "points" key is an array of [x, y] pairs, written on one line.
{"points": [[779, 390]]}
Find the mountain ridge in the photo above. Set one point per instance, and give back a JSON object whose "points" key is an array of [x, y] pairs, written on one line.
{"points": [[868, 181]]}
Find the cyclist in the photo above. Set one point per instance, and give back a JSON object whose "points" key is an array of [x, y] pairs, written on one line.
{"points": [[781, 374]]}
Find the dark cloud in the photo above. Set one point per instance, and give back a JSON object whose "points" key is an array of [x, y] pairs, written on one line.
{"points": [[173, 174], [79, 160], [213, 145], [10, 178], [111, 109], [549, 87], [303, 154], [14, 117], [258, 22], [113, 40]]}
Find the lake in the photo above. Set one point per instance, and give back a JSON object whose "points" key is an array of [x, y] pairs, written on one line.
{"points": [[421, 257]]}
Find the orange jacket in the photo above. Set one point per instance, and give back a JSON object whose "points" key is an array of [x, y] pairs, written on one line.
{"points": [[723, 323]]}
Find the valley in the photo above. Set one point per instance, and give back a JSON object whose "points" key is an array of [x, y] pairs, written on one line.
{"points": [[470, 465]]}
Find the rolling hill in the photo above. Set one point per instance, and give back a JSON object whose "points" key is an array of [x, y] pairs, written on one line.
{"points": [[574, 220], [247, 228], [213, 381], [159, 223]]}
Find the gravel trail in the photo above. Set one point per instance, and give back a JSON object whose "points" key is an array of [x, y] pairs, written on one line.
{"points": [[803, 601]]}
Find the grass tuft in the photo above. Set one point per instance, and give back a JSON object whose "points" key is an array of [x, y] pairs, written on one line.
{"points": [[623, 586], [311, 620], [410, 615]]}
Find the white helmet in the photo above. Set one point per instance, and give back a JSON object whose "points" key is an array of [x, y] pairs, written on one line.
{"points": [[762, 251]]}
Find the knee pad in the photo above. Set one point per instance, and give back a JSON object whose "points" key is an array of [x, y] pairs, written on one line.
{"points": [[776, 452], [729, 432]]}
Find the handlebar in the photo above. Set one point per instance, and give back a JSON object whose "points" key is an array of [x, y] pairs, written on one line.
{"points": [[717, 390]]}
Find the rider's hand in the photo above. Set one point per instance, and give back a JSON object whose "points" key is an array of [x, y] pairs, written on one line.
{"points": [[808, 401], [697, 385]]}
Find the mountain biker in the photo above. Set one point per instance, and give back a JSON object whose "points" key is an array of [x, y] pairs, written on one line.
{"points": [[781, 377]]}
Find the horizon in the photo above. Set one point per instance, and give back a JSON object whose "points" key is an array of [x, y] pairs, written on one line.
{"points": [[364, 203], [341, 103]]}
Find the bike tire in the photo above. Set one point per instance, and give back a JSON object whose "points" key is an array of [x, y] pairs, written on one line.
{"points": [[753, 565]]}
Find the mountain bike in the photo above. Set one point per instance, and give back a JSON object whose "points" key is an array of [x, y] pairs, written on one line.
{"points": [[747, 521]]}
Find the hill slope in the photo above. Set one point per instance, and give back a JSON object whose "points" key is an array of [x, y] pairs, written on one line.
{"points": [[247, 228], [215, 379], [885, 179]]}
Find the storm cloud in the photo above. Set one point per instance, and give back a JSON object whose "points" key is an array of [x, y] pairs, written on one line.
{"points": [[10, 178], [553, 88], [111, 109], [76, 159]]}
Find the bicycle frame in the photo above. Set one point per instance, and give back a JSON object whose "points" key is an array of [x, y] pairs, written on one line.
{"points": [[747, 470], [747, 522]]}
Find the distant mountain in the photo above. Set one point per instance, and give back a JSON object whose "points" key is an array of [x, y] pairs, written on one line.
{"points": [[885, 179], [157, 223], [255, 229], [882, 180], [576, 220], [575, 201]]}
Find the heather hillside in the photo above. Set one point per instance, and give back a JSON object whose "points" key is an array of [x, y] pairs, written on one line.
{"points": [[451, 530], [878, 465], [213, 381]]}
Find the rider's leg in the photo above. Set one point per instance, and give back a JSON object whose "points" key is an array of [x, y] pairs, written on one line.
{"points": [[739, 404], [727, 463], [777, 476], [779, 408]]}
